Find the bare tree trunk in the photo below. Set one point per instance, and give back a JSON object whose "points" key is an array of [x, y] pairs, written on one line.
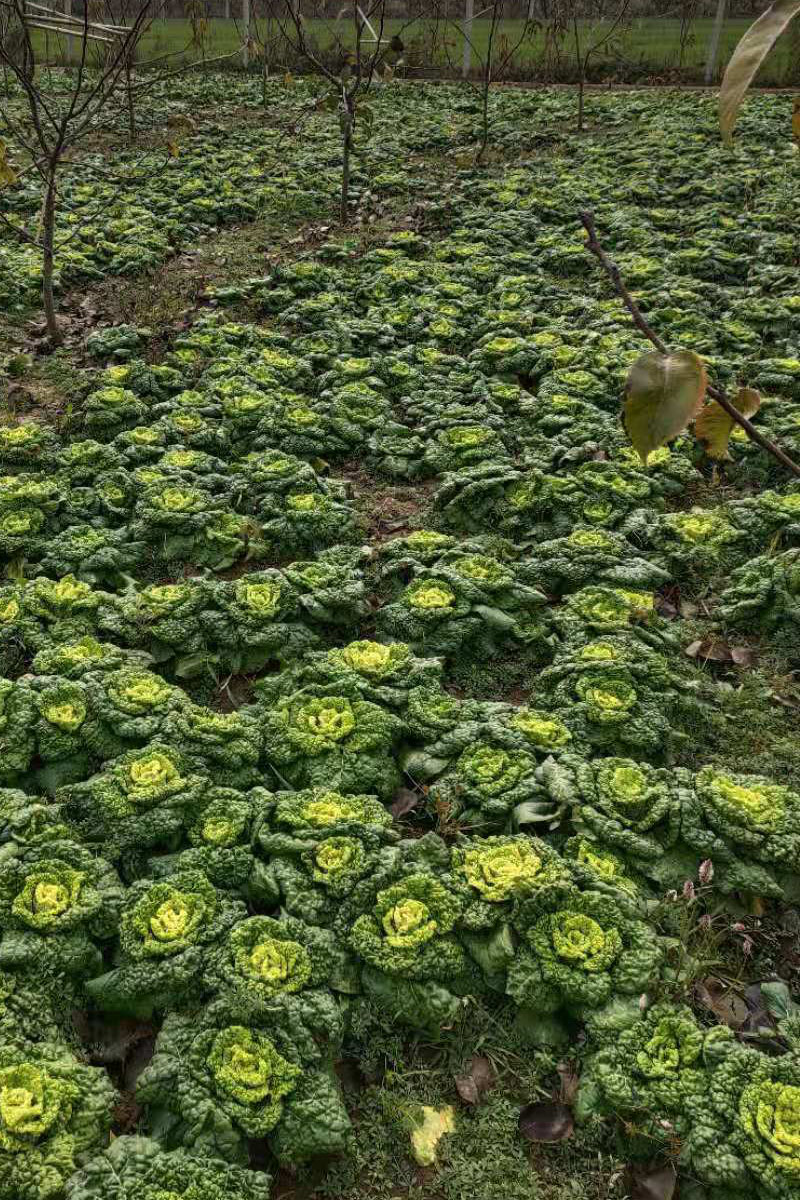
{"points": [[468, 30], [48, 240], [713, 47], [347, 145], [580, 62], [129, 98]]}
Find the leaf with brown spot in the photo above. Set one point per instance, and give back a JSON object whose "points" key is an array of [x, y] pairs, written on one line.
{"points": [[546, 1121], [714, 426], [663, 394]]}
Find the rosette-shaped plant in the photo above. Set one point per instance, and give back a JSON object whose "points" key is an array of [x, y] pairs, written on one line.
{"points": [[226, 1077], [588, 555], [28, 446], [414, 966], [730, 815], [82, 462], [469, 599], [334, 742], [85, 656], [221, 839], [63, 728], [744, 1126], [579, 951], [27, 1013], [140, 800], [699, 543], [485, 785], [172, 517], [304, 428], [630, 807], [299, 819], [166, 620], [94, 555], [431, 713], [765, 594], [254, 619], [618, 693], [55, 1113], [29, 820], [649, 1072], [383, 672], [226, 746], [311, 876], [167, 930], [494, 873], [763, 516], [461, 445], [419, 549], [60, 610], [136, 1168], [58, 904], [23, 531], [264, 475], [430, 617], [130, 708], [596, 868], [17, 718], [111, 409], [306, 521], [141, 445], [608, 610], [282, 971], [331, 589], [190, 429]]}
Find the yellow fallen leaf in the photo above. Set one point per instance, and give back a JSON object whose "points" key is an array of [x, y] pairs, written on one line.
{"points": [[436, 1122]]}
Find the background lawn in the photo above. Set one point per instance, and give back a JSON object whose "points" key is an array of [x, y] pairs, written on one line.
{"points": [[650, 47]]}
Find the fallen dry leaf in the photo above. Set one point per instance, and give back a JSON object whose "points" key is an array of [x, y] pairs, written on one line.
{"points": [[547, 1121], [478, 1076]]}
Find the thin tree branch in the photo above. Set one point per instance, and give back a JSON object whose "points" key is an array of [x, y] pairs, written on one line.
{"points": [[612, 270]]}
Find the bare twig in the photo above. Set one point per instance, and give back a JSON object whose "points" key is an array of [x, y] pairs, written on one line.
{"points": [[612, 270]]}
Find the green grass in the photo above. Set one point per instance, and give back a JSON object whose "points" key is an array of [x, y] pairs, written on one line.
{"points": [[649, 47]]}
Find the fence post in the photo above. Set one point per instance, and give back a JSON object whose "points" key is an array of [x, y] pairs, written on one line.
{"points": [[246, 23], [227, 10], [713, 45], [467, 59], [70, 40]]}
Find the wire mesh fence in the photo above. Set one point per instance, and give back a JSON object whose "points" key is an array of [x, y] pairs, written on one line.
{"points": [[671, 47]]}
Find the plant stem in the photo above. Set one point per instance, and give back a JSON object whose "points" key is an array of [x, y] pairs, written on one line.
{"points": [[612, 270]]}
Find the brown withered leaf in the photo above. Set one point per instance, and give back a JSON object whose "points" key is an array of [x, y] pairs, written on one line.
{"points": [[658, 1184], [728, 1007], [709, 650], [570, 1081], [476, 1079], [405, 801], [547, 1121]]}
